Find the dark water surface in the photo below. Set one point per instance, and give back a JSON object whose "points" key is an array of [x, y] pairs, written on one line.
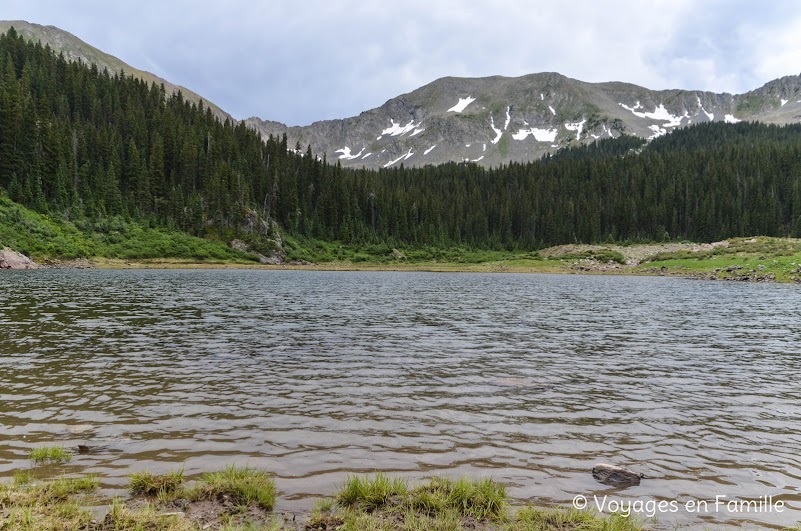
{"points": [[529, 379]]}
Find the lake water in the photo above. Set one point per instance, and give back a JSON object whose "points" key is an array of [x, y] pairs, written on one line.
{"points": [[529, 379]]}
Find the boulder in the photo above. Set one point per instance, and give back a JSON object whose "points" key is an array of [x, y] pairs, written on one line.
{"points": [[239, 245], [616, 476], [13, 260], [273, 259]]}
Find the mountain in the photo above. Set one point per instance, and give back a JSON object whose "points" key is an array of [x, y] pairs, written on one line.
{"points": [[115, 163], [489, 121], [74, 49], [497, 119]]}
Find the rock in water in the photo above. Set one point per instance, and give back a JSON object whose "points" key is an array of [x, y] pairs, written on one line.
{"points": [[615, 475], [13, 260]]}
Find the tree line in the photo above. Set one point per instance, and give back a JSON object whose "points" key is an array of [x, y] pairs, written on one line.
{"points": [[79, 142]]}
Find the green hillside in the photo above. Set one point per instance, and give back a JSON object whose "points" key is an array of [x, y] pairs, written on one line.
{"points": [[110, 154]]}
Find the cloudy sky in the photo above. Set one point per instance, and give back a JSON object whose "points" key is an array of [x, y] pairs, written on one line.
{"points": [[301, 61]]}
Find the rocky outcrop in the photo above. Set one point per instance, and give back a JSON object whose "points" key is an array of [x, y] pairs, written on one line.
{"points": [[10, 259], [616, 476], [273, 257]]}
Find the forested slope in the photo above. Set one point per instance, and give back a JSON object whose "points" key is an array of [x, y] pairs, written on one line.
{"points": [[82, 144]]}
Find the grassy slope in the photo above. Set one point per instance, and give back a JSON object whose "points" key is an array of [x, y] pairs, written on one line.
{"points": [[115, 242], [46, 239], [761, 258]]}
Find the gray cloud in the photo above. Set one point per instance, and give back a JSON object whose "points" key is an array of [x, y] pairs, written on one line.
{"points": [[305, 61]]}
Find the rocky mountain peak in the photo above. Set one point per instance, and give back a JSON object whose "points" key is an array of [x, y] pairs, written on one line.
{"points": [[497, 119]]}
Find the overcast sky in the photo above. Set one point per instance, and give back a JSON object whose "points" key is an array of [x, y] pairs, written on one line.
{"points": [[301, 61]]}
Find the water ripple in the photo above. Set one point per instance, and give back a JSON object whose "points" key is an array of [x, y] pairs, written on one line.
{"points": [[314, 375]]}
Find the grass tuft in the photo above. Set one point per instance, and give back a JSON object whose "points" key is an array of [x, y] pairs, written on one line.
{"points": [[23, 477], [65, 487], [151, 484], [536, 519], [482, 499], [48, 505], [370, 494], [241, 487], [53, 455], [122, 518]]}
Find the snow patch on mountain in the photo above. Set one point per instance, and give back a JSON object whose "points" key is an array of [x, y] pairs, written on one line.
{"points": [[660, 114], [405, 156], [784, 102], [416, 132], [508, 118], [540, 135], [429, 150], [658, 131], [730, 119], [397, 129], [462, 105], [498, 132], [605, 131], [577, 126], [552, 111], [709, 115], [346, 154]]}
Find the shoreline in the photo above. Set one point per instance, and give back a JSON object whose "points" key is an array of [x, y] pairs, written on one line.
{"points": [[758, 259], [245, 499], [544, 267]]}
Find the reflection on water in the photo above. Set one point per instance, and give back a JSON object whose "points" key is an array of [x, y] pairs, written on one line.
{"points": [[530, 379]]}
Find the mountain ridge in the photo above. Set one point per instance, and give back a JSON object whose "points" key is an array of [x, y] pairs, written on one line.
{"points": [[75, 48], [491, 120], [498, 119]]}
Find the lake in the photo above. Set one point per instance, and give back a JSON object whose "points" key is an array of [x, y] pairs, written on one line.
{"points": [[528, 379]]}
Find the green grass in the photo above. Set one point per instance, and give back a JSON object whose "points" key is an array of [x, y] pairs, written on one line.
{"points": [[381, 503], [534, 519], [45, 238], [151, 484], [64, 487], [318, 251], [481, 499], [362, 503], [53, 504], [760, 258], [50, 455], [23, 477], [122, 518], [370, 493], [240, 486], [39, 236], [754, 104]]}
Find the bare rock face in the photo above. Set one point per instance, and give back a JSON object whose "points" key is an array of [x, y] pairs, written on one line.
{"points": [[495, 120], [616, 476], [13, 260], [239, 245]]}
